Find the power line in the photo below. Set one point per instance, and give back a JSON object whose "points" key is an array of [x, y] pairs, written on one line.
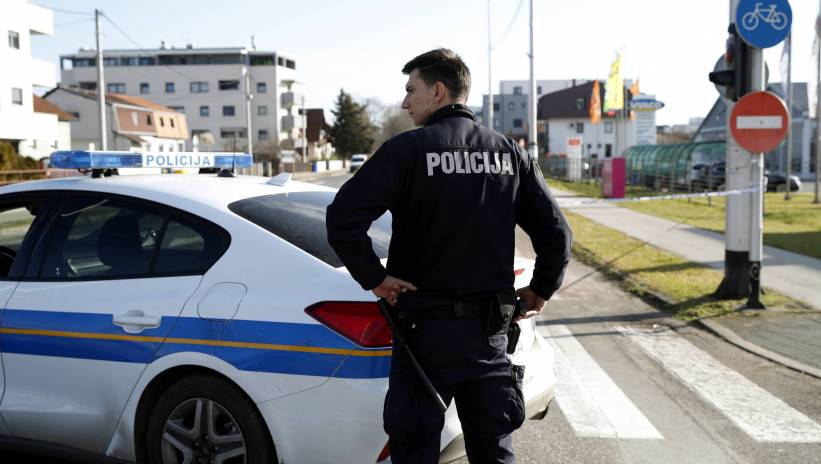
{"points": [[74, 12], [509, 28], [70, 23]]}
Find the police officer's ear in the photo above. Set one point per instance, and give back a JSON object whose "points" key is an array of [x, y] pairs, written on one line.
{"points": [[440, 92]]}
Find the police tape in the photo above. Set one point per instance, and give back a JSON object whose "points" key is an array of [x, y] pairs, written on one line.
{"points": [[680, 196]]}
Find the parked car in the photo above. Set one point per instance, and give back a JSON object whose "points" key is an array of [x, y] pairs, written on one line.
{"points": [[357, 161], [778, 183], [173, 318]]}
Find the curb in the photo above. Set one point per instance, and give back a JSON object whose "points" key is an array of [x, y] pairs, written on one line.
{"points": [[731, 337]]}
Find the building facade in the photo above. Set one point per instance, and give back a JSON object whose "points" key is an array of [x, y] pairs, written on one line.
{"points": [[133, 123], [208, 85], [32, 133]]}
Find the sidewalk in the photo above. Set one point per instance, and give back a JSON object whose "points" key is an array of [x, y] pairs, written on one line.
{"points": [[790, 338]]}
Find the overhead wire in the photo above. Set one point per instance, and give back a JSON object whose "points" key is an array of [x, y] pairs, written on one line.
{"points": [[509, 28]]}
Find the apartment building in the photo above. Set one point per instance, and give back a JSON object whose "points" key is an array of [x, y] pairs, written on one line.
{"points": [[133, 123], [208, 85], [32, 133]]}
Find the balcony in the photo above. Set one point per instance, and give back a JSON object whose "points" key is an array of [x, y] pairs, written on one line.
{"points": [[290, 99]]}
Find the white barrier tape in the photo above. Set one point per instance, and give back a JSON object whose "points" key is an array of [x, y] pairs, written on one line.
{"points": [[680, 196]]}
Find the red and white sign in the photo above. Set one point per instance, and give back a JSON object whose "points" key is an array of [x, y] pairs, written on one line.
{"points": [[759, 122]]}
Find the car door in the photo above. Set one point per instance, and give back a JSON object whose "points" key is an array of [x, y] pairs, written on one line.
{"points": [[113, 275], [19, 216]]}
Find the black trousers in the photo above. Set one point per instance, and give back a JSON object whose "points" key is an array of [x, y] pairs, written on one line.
{"points": [[463, 364]]}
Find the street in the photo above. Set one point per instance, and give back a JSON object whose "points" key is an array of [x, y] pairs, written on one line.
{"points": [[636, 386]]}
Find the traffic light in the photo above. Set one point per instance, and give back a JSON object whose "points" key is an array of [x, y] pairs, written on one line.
{"points": [[738, 73]]}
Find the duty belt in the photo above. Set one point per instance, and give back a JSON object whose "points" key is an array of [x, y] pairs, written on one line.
{"points": [[472, 309]]}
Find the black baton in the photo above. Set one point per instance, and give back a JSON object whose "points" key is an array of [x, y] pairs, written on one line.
{"points": [[434, 395]]}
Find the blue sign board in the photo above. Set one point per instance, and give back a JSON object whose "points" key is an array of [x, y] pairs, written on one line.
{"points": [[763, 24]]}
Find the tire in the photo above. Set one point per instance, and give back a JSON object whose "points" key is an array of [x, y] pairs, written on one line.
{"points": [[233, 429], [779, 21], [750, 21], [781, 188]]}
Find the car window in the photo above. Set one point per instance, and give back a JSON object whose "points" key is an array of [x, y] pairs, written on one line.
{"points": [[95, 237], [189, 247], [15, 224], [299, 218]]}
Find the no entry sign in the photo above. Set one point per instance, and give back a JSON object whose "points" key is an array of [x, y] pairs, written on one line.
{"points": [[759, 122]]}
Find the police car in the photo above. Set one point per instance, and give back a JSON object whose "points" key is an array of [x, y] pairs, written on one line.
{"points": [[196, 318]]}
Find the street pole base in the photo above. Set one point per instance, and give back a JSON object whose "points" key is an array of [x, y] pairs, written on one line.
{"points": [[736, 282]]}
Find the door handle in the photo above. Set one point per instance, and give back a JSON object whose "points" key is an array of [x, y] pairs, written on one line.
{"points": [[135, 321]]}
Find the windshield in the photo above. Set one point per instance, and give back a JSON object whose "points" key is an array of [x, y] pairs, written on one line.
{"points": [[299, 218]]}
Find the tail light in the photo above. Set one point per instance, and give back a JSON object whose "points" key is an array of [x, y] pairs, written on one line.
{"points": [[385, 454], [359, 322]]}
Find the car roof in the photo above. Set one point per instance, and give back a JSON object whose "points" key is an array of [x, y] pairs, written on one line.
{"points": [[205, 189]]}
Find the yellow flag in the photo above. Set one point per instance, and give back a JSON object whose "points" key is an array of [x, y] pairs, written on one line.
{"points": [[614, 89], [634, 89], [595, 104]]}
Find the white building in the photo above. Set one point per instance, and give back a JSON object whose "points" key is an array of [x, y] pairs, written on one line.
{"points": [[32, 133], [132, 123], [208, 85]]}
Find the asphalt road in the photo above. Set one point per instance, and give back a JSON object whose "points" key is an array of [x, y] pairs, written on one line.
{"points": [[638, 387]]}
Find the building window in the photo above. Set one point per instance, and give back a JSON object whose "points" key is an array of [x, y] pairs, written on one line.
{"points": [[14, 39], [88, 85], [511, 106], [16, 96], [262, 87], [178, 109], [205, 111], [84, 62], [496, 123], [162, 122], [171, 120], [199, 87], [228, 110], [182, 146], [495, 107], [608, 127], [229, 85], [262, 110], [517, 123], [539, 90], [115, 87], [262, 134], [524, 105], [608, 150], [146, 61], [229, 133], [517, 90], [580, 128], [291, 64], [580, 103], [148, 119], [144, 87], [128, 61], [169, 87]]}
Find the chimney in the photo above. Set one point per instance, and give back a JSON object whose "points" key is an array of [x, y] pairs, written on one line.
{"points": [[162, 44], [189, 46]]}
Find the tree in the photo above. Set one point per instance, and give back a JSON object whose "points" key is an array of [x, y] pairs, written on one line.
{"points": [[395, 120], [352, 131], [9, 159]]}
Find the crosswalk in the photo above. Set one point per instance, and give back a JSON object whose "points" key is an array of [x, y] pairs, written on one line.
{"points": [[595, 406]]}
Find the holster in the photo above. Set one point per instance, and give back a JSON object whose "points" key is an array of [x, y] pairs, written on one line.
{"points": [[500, 314]]}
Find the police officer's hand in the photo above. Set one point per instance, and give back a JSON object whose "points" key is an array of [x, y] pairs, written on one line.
{"points": [[391, 288], [533, 302]]}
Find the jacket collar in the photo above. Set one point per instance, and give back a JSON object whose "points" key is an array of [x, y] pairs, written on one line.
{"points": [[450, 111]]}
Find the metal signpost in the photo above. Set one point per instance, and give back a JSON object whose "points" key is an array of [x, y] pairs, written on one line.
{"points": [[760, 119]]}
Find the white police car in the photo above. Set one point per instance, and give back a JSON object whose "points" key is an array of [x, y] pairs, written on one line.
{"points": [[357, 161], [196, 318]]}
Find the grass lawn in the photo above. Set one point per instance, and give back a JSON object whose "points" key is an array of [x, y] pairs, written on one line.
{"points": [[685, 288], [793, 225]]}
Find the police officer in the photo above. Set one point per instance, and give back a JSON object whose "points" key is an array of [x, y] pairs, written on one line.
{"points": [[456, 191]]}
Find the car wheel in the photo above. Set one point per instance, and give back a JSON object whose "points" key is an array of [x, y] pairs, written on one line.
{"points": [[781, 188], [204, 419]]}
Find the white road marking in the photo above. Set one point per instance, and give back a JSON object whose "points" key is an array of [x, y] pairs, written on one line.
{"points": [[593, 404], [759, 122], [759, 414]]}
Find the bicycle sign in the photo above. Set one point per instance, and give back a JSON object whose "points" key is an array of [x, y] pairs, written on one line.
{"points": [[763, 24]]}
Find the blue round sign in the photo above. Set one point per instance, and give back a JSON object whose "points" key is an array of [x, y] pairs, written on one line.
{"points": [[763, 24]]}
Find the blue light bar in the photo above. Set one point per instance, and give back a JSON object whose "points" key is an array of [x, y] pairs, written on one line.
{"points": [[83, 159]]}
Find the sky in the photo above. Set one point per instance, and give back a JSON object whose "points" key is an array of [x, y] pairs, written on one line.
{"points": [[361, 45]]}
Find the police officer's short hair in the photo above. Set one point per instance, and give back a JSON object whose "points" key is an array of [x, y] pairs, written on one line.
{"points": [[442, 65]]}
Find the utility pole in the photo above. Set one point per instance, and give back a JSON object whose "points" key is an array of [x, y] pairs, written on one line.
{"points": [[532, 145], [788, 44], [246, 71], [100, 81], [736, 282], [489, 115], [817, 62]]}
